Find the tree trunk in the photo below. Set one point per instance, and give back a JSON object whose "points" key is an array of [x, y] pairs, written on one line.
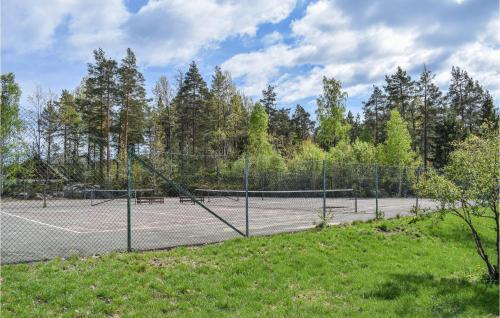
{"points": [[125, 132], [492, 270], [65, 156], [425, 130], [375, 140], [108, 125]]}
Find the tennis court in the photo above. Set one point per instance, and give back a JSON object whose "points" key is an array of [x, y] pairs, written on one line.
{"points": [[80, 226]]}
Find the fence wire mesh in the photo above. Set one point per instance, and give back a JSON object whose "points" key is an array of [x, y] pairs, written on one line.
{"points": [[66, 208]]}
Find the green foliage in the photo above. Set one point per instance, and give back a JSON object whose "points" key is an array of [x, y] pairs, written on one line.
{"points": [[376, 113], [361, 152], [237, 122], [469, 188], [489, 114], [258, 141], [331, 108], [364, 152], [49, 127], [11, 122], [11, 148], [132, 95], [342, 153], [260, 152], [309, 157], [309, 151], [397, 148], [280, 125], [71, 122], [301, 124], [465, 97], [399, 88], [428, 99], [222, 108], [192, 109], [109, 111]]}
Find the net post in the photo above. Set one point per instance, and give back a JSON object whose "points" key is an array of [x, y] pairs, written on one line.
{"points": [[324, 189], [129, 194], [376, 192], [355, 201], [247, 232]]}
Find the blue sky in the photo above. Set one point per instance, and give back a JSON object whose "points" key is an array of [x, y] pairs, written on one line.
{"points": [[291, 44]]}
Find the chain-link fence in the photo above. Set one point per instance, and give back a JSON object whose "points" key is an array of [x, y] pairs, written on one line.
{"points": [[144, 203]]}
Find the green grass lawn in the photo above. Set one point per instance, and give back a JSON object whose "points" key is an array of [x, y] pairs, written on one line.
{"points": [[399, 268]]}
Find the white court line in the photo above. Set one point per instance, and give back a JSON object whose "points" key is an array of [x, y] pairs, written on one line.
{"points": [[42, 223]]}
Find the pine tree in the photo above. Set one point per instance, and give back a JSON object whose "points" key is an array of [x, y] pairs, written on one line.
{"points": [[279, 119], [330, 113], [162, 93], [155, 134], [457, 91], [448, 130], [49, 126], [70, 121], [429, 99], [301, 123], [489, 114], [356, 130], [100, 94], [192, 108], [221, 94], [132, 95], [237, 126], [282, 136], [376, 114], [465, 97], [399, 89], [400, 94], [268, 101]]}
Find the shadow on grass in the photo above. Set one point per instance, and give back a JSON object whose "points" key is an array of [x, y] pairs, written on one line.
{"points": [[450, 297], [451, 229]]}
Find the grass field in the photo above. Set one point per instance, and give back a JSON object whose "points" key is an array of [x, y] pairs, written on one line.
{"points": [[405, 267]]}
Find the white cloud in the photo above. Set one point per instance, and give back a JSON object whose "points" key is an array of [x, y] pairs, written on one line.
{"points": [[329, 45], [480, 58], [74, 27], [322, 16], [28, 25], [272, 38], [177, 29], [96, 23], [257, 67], [162, 31]]}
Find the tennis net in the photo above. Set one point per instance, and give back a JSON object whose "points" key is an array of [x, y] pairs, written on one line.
{"points": [[340, 200], [101, 196]]}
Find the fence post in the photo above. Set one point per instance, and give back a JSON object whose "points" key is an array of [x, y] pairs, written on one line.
{"points": [[416, 188], [247, 232], [324, 190], [376, 192], [129, 194]]}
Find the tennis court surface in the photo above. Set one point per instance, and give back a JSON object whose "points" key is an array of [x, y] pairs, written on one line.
{"points": [[90, 226]]}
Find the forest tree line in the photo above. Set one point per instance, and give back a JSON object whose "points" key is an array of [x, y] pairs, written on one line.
{"points": [[406, 121]]}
